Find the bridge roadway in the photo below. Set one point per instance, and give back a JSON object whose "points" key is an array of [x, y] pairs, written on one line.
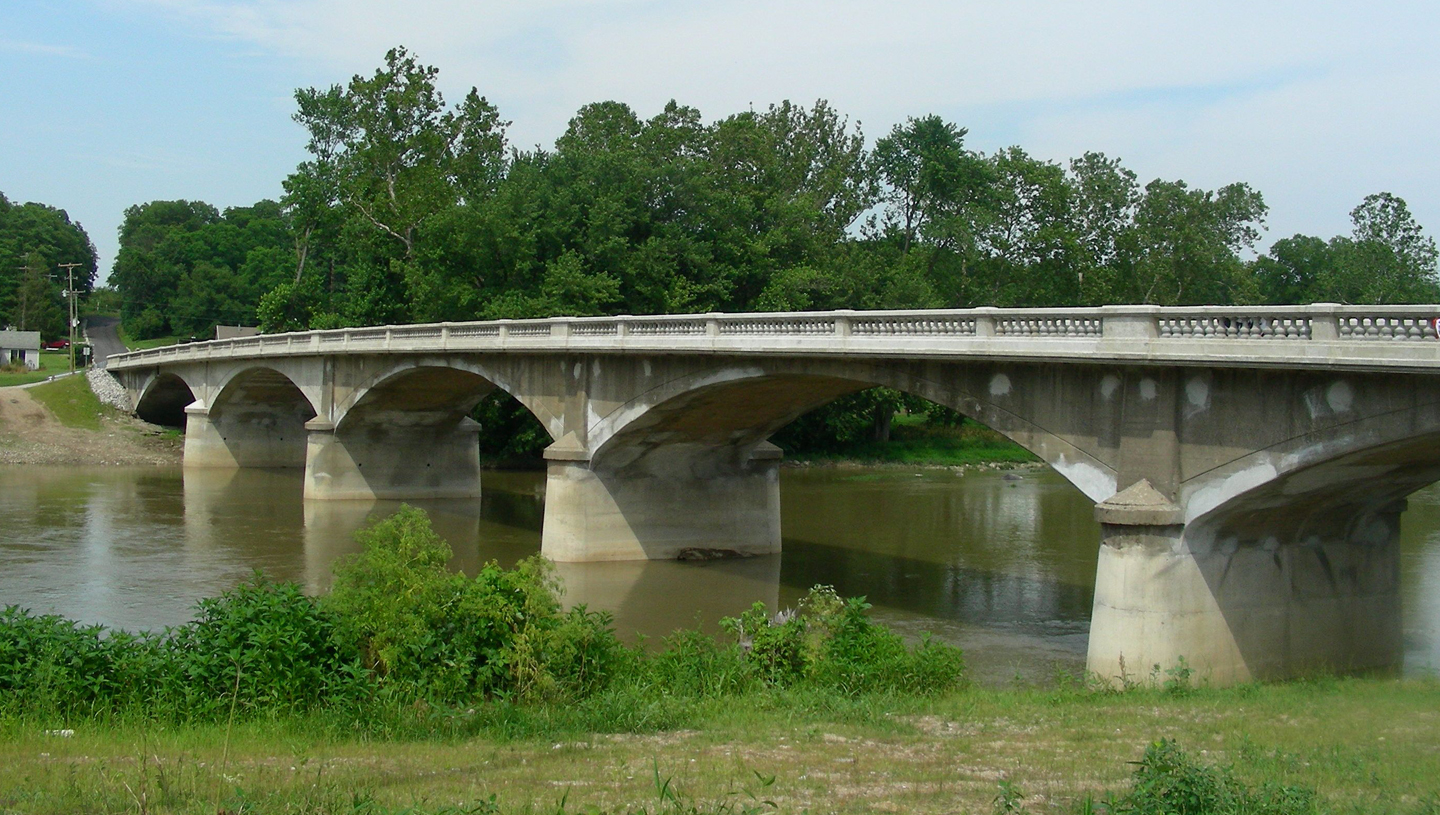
{"points": [[1249, 465]]}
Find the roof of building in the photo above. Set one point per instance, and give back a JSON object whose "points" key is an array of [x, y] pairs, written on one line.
{"points": [[20, 339]]}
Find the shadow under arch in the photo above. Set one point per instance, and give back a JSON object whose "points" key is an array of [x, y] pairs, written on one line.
{"points": [[164, 399], [1305, 567], [719, 424], [256, 418], [406, 434]]}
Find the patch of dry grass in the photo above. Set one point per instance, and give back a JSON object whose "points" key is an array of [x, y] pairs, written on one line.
{"points": [[1367, 745]]}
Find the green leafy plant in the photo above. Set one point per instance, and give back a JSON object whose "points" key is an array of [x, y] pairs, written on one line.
{"points": [[434, 634]]}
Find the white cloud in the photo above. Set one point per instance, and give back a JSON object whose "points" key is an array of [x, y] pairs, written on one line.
{"points": [[43, 49], [1313, 103]]}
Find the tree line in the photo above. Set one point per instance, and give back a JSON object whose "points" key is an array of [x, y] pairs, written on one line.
{"points": [[409, 209], [34, 240]]}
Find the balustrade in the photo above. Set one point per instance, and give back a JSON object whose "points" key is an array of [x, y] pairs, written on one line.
{"points": [[856, 329]]}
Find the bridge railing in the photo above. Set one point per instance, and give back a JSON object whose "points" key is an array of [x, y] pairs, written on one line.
{"points": [[854, 330]]}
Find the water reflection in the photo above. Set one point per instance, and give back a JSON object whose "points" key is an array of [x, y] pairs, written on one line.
{"points": [[653, 598], [1002, 564]]}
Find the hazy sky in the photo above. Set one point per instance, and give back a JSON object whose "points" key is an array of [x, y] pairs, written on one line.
{"points": [[108, 103]]}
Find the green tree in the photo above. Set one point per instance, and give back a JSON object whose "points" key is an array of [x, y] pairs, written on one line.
{"points": [[184, 267], [38, 237], [1388, 258], [1295, 270], [1187, 244], [1105, 196], [36, 305]]}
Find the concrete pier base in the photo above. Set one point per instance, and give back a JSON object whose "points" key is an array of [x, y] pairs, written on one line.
{"points": [[395, 462], [596, 516], [243, 437], [1233, 609]]}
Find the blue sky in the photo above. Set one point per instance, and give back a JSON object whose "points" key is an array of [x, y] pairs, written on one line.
{"points": [[109, 103]]}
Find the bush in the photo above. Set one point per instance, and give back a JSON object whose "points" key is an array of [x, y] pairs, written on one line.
{"points": [[399, 627], [52, 665], [433, 634], [831, 643], [260, 646], [1168, 782]]}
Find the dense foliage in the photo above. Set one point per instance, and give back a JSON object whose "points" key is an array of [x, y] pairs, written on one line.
{"points": [[34, 240], [184, 267], [399, 628], [412, 209]]}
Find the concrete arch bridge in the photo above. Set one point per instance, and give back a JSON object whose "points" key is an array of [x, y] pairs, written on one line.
{"points": [[1249, 465]]}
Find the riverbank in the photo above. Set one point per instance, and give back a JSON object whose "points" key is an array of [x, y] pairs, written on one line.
{"points": [[917, 441], [1362, 745], [62, 423]]}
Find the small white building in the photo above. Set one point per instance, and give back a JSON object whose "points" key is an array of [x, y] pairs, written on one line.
{"points": [[20, 347]]}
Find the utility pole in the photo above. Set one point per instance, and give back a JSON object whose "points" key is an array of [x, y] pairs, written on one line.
{"points": [[70, 295]]}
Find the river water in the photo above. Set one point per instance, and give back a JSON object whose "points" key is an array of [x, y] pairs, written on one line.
{"points": [[1002, 564]]}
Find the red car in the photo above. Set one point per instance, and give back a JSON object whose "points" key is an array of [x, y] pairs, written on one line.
{"points": [[56, 345]]}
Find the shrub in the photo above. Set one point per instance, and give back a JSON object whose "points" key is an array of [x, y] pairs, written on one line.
{"points": [[1168, 782], [434, 634], [52, 665], [831, 642], [262, 646]]}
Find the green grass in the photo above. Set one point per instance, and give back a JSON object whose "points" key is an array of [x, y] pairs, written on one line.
{"points": [[72, 402], [913, 440], [141, 345], [51, 363], [1364, 745]]}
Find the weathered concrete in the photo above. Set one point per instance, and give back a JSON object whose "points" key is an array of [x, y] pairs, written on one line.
{"points": [[1249, 465], [593, 515], [257, 419], [392, 462]]}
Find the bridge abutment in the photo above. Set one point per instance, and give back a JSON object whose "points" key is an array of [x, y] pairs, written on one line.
{"points": [[392, 461], [1237, 608], [597, 515]]}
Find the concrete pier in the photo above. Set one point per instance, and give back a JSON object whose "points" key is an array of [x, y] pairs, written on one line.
{"points": [[250, 437], [1240, 608], [598, 516], [368, 462]]}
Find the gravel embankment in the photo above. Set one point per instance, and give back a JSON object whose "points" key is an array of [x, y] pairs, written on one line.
{"points": [[107, 390]]}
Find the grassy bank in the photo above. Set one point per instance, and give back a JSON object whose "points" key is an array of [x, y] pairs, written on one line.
{"points": [[141, 345], [917, 441], [1359, 745], [51, 363], [71, 401]]}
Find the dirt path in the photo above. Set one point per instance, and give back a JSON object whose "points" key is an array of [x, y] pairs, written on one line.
{"points": [[30, 434]]}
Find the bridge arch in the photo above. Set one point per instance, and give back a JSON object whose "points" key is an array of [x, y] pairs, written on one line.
{"points": [[255, 418], [436, 391], [163, 399], [731, 410], [405, 431]]}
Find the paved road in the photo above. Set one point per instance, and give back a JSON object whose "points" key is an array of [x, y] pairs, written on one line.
{"points": [[104, 337]]}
